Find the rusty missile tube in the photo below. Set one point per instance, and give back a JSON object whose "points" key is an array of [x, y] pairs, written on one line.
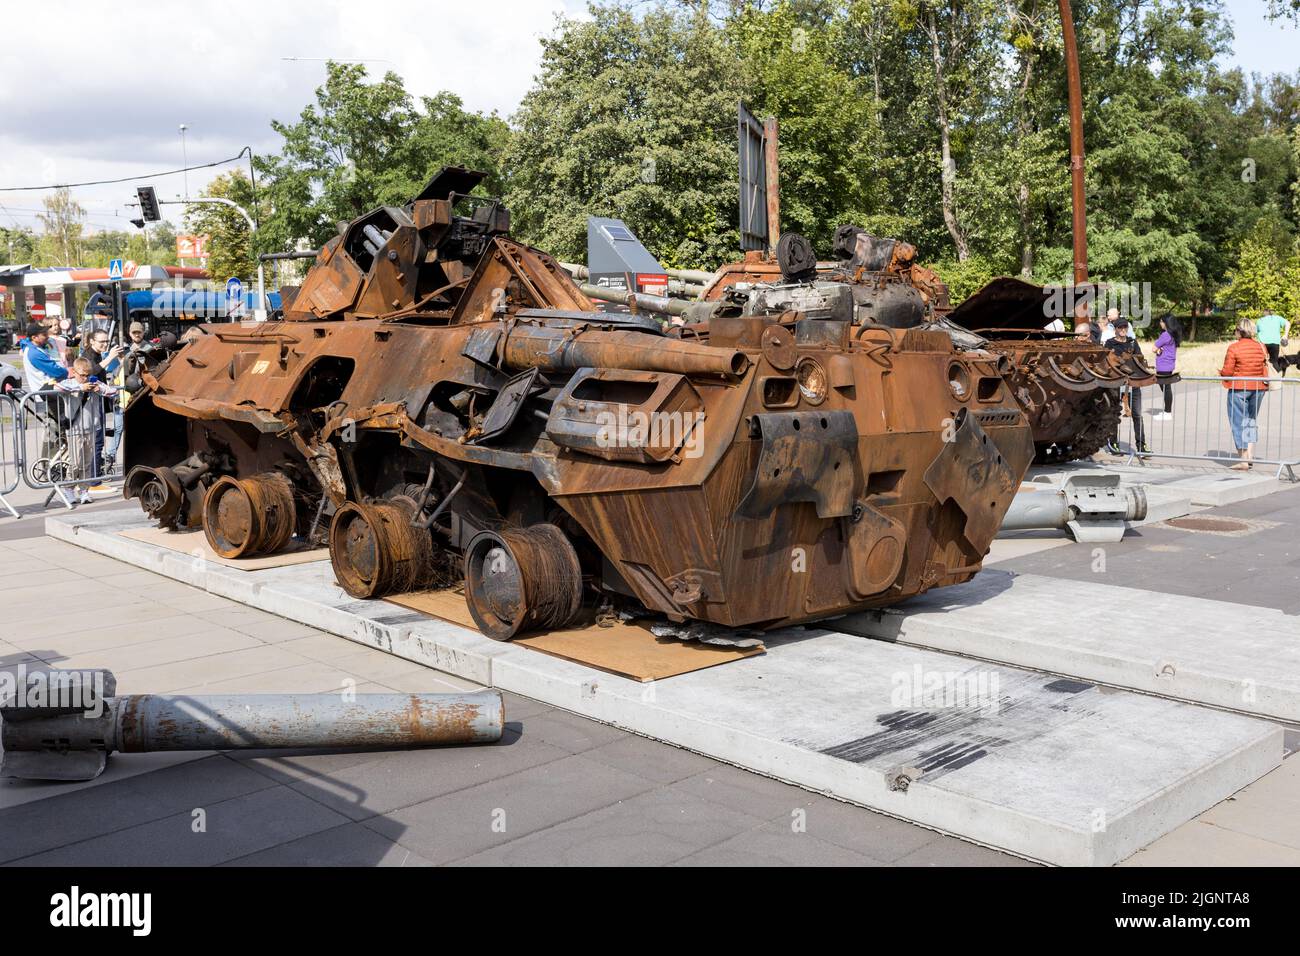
{"points": [[637, 301], [73, 743], [554, 349]]}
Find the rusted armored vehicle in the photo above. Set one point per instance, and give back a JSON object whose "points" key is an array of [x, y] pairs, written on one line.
{"points": [[1069, 389], [441, 403]]}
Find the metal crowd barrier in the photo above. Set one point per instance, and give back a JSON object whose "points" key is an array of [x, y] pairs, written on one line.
{"points": [[1200, 428], [63, 438], [10, 454]]}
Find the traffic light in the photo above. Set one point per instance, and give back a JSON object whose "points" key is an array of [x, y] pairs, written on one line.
{"points": [[148, 203]]}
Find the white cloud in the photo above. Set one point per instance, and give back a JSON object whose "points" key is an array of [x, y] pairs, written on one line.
{"points": [[114, 81]]}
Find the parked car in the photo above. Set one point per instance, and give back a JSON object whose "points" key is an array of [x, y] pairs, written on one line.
{"points": [[6, 337], [10, 378]]}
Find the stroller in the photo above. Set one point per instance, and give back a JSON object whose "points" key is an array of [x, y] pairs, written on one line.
{"points": [[55, 462], [67, 448]]}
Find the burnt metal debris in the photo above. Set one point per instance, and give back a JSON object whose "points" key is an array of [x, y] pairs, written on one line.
{"points": [[442, 402], [63, 724], [1069, 389]]}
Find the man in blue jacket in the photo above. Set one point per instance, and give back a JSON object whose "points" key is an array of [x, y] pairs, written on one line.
{"points": [[40, 368], [43, 370]]}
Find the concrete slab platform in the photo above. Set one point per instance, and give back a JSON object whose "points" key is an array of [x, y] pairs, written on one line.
{"points": [[1234, 656], [1065, 772], [1208, 486]]}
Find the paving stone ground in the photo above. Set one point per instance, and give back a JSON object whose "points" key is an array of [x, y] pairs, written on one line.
{"points": [[558, 790]]}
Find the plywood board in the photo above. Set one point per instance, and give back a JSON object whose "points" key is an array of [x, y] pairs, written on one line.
{"points": [[626, 649], [195, 544]]}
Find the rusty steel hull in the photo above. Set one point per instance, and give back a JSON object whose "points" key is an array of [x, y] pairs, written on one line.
{"points": [[668, 533], [441, 404]]}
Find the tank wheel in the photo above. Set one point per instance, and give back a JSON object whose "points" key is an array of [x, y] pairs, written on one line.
{"points": [[522, 579], [159, 491], [375, 550], [243, 517]]}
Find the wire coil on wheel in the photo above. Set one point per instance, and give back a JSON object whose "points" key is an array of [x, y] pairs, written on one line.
{"points": [[522, 579], [375, 550], [243, 517]]}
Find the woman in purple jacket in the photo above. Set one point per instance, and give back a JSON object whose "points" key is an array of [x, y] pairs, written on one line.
{"points": [[1171, 336]]}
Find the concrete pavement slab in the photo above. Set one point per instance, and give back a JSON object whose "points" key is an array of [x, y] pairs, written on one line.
{"points": [[93, 813], [1226, 655], [348, 845], [822, 709], [231, 828]]}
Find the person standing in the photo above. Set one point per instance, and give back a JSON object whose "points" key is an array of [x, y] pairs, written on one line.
{"points": [[104, 360], [85, 411], [1272, 332], [1171, 336], [1105, 330], [40, 368], [1245, 370], [1122, 344]]}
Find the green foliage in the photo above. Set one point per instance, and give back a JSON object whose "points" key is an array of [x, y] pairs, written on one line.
{"points": [[634, 118], [964, 277], [230, 246], [18, 245], [1266, 275], [362, 145], [63, 222], [632, 114], [828, 121]]}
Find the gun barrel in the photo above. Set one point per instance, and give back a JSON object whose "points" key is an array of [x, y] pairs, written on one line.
{"points": [[636, 301], [556, 350]]}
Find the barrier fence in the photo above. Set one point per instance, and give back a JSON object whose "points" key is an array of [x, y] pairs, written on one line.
{"points": [[10, 456], [61, 441], [1211, 419]]}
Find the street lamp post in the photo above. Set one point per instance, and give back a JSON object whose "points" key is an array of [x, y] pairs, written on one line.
{"points": [[185, 161]]}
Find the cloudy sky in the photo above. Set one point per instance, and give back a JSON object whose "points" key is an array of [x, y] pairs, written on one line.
{"points": [[97, 90]]}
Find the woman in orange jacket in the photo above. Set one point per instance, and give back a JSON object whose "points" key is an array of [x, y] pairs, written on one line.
{"points": [[1245, 368]]}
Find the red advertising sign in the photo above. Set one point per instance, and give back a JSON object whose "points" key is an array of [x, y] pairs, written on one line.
{"points": [[191, 247]]}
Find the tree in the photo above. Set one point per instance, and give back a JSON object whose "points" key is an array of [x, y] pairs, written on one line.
{"points": [[230, 244], [18, 245], [828, 121], [1266, 276], [631, 117], [362, 145], [63, 221]]}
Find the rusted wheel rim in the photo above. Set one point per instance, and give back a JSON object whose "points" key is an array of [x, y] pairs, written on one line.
{"points": [[521, 580], [376, 551], [247, 516], [356, 549]]}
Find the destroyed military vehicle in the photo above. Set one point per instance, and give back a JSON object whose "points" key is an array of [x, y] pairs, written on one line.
{"points": [[441, 403], [1069, 389]]}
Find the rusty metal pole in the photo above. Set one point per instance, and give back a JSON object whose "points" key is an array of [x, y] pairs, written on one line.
{"points": [[773, 178], [1079, 217], [73, 743]]}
